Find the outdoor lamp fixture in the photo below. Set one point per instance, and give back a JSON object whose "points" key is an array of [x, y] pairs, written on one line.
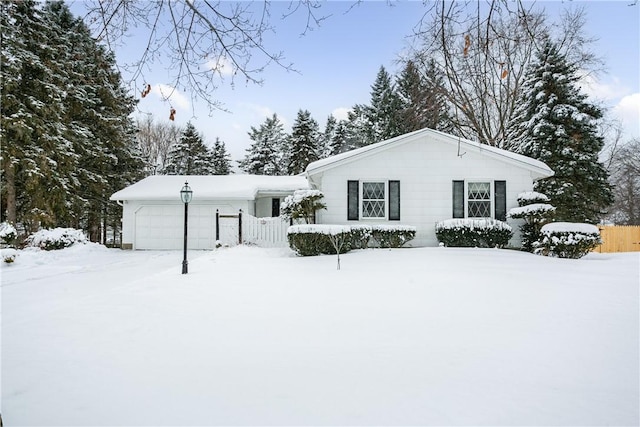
{"points": [[186, 195]]}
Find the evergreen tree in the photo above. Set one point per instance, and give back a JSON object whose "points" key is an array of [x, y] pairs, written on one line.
{"points": [[422, 99], [221, 159], [268, 155], [97, 124], [66, 135], [358, 128], [36, 154], [304, 142], [340, 138], [328, 137], [190, 156], [555, 124], [384, 112]]}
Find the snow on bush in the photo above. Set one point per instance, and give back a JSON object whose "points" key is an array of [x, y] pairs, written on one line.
{"points": [[531, 197], [57, 238], [315, 239], [568, 239], [9, 255], [480, 233], [535, 212], [393, 236], [319, 229], [302, 204], [8, 233]]}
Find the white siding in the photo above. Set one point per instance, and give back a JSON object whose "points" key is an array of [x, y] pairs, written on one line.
{"points": [[160, 224], [425, 170]]}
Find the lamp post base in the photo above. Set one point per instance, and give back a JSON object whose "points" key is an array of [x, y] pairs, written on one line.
{"points": [[184, 266]]}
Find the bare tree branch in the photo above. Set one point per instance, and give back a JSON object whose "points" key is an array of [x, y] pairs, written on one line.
{"points": [[203, 43]]}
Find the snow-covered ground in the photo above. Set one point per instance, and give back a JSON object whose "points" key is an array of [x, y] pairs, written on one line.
{"points": [[251, 336]]}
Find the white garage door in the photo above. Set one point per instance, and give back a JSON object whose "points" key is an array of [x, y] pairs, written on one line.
{"points": [[162, 227]]}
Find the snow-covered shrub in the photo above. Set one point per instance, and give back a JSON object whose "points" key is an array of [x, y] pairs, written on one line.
{"points": [[474, 233], [9, 255], [392, 236], [57, 238], [535, 212], [316, 239], [302, 204], [360, 236], [8, 234], [568, 239], [531, 197]]}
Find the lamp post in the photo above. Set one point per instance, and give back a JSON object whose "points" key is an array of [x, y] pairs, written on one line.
{"points": [[186, 195]]}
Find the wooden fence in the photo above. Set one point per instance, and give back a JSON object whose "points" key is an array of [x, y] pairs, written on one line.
{"points": [[619, 238]]}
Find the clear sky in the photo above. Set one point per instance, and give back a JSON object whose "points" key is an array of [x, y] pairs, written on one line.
{"points": [[338, 62]]}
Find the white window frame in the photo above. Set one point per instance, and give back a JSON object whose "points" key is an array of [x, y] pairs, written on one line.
{"points": [[385, 200], [467, 200]]}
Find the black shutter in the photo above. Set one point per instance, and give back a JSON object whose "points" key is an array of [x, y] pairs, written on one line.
{"points": [[353, 200], [394, 200], [500, 203], [458, 199]]}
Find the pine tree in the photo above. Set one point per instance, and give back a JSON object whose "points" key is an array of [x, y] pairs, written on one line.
{"points": [[37, 157], [66, 133], [190, 156], [305, 139], [555, 124], [221, 159], [268, 155], [422, 100], [339, 141], [328, 136], [383, 114]]}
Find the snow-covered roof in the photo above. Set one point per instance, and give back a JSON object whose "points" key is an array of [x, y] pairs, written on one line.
{"points": [[210, 187], [466, 145]]}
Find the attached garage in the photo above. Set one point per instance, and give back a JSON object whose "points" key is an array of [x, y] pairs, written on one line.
{"points": [[153, 214]]}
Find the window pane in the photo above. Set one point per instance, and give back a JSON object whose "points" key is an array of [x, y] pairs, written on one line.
{"points": [[479, 209], [373, 190], [373, 209], [479, 191]]}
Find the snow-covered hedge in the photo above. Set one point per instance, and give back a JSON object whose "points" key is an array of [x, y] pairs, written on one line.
{"points": [[473, 233], [392, 236], [315, 239], [8, 233], [568, 239], [57, 238]]}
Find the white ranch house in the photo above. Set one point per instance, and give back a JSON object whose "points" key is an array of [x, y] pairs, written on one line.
{"points": [[414, 179]]}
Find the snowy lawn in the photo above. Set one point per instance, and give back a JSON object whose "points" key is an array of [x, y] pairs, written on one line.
{"points": [[250, 336]]}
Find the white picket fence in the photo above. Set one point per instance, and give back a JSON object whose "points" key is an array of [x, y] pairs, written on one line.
{"points": [[264, 232]]}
